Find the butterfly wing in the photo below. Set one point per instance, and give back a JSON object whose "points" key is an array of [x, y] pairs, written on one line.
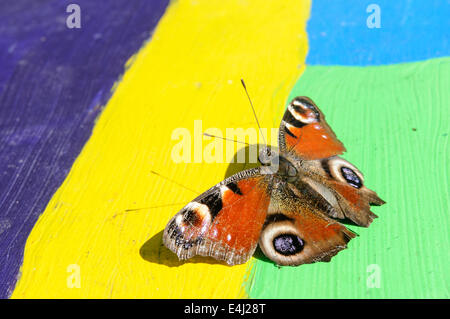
{"points": [[341, 185], [224, 222], [306, 138], [298, 231], [305, 133]]}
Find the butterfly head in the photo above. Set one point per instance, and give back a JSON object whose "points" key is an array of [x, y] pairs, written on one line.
{"points": [[273, 163], [267, 156]]}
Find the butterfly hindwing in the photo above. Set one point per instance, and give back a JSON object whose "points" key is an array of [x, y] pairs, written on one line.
{"points": [[341, 186], [224, 222], [297, 231]]}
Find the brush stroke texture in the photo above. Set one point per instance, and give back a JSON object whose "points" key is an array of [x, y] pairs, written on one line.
{"points": [[393, 121], [53, 82], [411, 30], [190, 70]]}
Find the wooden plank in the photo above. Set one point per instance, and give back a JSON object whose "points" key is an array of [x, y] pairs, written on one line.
{"points": [[190, 70], [53, 84], [393, 121]]}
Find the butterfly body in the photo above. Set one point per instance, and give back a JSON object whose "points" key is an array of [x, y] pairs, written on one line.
{"points": [[290, 205]]}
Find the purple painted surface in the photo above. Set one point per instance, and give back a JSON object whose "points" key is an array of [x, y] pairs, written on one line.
{"points": [[52, 80]]}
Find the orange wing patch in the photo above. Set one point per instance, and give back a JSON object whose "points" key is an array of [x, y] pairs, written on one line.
{"points": [[313, 141], [225, 222], [305, 132], [239, 223], [302, 236]]}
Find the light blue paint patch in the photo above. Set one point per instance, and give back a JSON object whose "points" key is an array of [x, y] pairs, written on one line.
{"points": [[409, 31]]}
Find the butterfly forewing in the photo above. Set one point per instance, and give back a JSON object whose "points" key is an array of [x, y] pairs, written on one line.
{"points": [[305, 133], [225, 222], [305, 137]]}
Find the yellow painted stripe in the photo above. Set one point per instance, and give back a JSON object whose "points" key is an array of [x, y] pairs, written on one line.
{"points": [[190, 70]]}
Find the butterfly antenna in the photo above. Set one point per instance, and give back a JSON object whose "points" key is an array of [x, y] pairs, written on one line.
{"points": [[224, 138], [150, 207], [253, 109], [129, 210], [171, 180], [159, 206]]}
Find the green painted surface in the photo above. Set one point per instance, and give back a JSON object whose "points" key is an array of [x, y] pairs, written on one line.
{"points": [[394, 122]]}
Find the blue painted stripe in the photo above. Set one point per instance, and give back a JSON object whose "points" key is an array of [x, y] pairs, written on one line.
{"points": [[410, 30]]}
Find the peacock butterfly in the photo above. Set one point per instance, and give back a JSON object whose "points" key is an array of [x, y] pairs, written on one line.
{"points": [[290, 205]]}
